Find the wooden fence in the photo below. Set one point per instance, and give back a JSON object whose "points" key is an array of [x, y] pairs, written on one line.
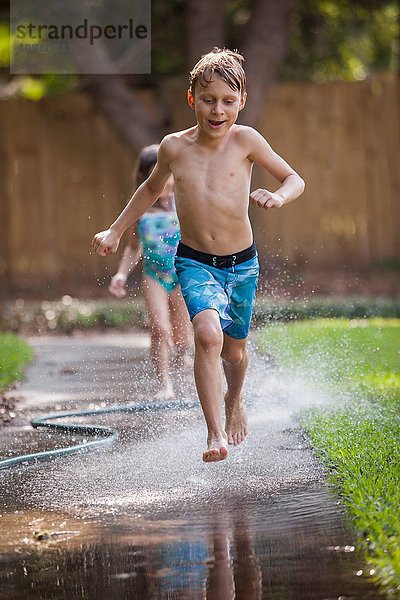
{"points": [[344, 139], [64, 175]]}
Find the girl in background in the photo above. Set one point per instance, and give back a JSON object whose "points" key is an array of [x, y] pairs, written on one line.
{"points": [[155, 237]]}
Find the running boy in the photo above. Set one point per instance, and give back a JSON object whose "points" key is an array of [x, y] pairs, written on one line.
{"points": [[216, 260]]}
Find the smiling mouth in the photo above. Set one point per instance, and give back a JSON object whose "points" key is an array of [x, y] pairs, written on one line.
{"points": [[216, 124]]}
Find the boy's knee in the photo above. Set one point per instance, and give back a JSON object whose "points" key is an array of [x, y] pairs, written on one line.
{"points": [[208, 335]]}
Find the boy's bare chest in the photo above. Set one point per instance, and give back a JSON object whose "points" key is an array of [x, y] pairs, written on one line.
{"points": [[218, 169]]}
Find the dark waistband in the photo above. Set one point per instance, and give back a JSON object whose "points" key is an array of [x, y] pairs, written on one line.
{"points": [[229, 260]]}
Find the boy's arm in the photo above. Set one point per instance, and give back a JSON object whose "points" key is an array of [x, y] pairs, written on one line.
{"points": [[147, 193], [292, 185]]}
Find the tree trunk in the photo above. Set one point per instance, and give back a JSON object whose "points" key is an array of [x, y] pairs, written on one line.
{"points": [[205, 27], [112, 96], [264, 49]]}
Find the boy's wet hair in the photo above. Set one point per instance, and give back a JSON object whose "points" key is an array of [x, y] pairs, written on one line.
{"points": [[146, 162], [228, 64]]}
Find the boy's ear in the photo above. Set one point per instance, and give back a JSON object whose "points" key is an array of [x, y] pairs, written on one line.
{"points": [[190, 99], [243, 101]]}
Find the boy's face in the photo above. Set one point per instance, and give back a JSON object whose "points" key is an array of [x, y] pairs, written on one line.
{"points": [[216, 106]]}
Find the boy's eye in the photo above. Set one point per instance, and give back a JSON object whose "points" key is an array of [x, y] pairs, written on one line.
{"points": [[207, 100]]}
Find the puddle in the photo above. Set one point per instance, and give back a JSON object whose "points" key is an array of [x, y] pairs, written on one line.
{"points": [[288, 546], [148, 520]]}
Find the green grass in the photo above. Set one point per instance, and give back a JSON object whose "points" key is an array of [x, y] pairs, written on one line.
{"points": [[359, 438], [357, 307], [15, 354]]}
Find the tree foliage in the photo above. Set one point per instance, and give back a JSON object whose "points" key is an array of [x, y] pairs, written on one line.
{"points": [[342, 39], [330, 39], [308, 40]]}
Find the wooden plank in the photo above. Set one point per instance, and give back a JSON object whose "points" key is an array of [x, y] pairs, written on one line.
{"points": [[389, 129], [5, 201]]}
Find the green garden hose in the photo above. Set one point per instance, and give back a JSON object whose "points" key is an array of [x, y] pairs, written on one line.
{"points": [[103, 435]]}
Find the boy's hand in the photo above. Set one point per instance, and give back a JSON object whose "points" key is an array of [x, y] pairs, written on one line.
{"points": [[117, 285], [105, 242], [266, 199]]}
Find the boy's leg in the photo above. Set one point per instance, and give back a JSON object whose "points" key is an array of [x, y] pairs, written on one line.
{"points": [[208, 340], [235, 361]]}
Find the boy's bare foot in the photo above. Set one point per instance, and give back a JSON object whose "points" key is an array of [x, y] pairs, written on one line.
{"points": [[236, 420], [216, 449]]}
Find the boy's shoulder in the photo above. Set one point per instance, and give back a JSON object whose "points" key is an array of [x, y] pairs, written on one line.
{"points": [[245, 132], [247, 138], [177, 137], [173, 142]]}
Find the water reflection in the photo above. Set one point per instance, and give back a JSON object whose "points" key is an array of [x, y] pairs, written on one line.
{"points": [[235, 570], [286, 547], [221, 565]]}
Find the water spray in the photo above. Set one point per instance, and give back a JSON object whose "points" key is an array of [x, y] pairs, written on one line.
{"points": [[104, 436]]}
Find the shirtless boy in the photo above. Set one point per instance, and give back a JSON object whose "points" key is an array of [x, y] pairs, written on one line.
{"points": [[216, 260]]}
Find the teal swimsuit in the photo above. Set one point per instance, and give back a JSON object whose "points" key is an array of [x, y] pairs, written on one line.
{"points": [[159, 236]]}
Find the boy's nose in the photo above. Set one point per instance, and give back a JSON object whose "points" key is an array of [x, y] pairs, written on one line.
{"points": [[218, 109]]}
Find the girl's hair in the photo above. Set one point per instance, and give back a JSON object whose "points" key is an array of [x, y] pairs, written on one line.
{"points": [[226, 63], [146, 162]]}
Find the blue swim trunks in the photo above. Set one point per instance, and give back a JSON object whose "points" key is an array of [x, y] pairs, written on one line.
{"points": [[226, 284]]}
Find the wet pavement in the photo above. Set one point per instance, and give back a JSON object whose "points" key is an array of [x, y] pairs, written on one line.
{"points": [[145, 517]]}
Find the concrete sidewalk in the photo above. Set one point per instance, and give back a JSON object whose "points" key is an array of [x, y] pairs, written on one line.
{"points": [[92, 371], [71, 372], [139, 511], [76, 373]]}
